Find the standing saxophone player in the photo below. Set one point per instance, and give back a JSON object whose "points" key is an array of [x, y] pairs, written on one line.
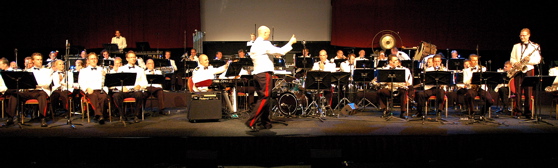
{"points": [[523, 56]]}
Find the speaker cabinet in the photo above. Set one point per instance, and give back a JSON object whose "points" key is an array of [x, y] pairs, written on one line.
{"points": [[205, 106]]}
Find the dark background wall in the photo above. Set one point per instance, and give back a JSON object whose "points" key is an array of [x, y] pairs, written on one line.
{"points": [[487, 27]]}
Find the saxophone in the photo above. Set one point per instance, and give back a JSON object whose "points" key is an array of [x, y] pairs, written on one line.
{"points": [[522, 66]]}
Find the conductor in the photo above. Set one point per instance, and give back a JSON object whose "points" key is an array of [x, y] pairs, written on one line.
{"points": [[263, 72]]}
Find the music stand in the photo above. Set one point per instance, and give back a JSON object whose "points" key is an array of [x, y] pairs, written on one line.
{"points": [[19, 80], [161, 62], [407, 63], [340, 78], [142, 46], [304, 62], [364, 75], [437, 78], [364, 64], [111, 48], [217, 63], [486, 78], [455, 64], [382, 63], [189, 65], [538, 83], [157, 79], [317, 81], [120, 79], [338, 62], [278, 62], [245, 61], [108, 62], [390, 76]]}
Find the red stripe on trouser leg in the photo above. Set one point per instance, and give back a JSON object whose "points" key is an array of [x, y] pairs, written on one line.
{"points": [[264, 99]]}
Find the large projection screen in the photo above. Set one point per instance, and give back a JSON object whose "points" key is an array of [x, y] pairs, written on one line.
{"points": [[234, 20]]}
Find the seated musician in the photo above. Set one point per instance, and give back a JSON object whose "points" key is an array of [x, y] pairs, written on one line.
{"points": [[362, 55], [381, 57], [386, 91], [91, 79], [116, 64], [106, 55], [8, 94], [203, 75], [323, 64], [432, 90], [503, 89], [131, 91], [42, 91], [176, 78], [154, 89], [63, 85], [349, 65], [474, 89]]}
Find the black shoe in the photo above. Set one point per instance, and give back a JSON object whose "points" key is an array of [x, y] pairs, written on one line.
{"points": [[136, 120], [101, 120], [402, 115], [268, 126], [10, 121], [43, 122]]}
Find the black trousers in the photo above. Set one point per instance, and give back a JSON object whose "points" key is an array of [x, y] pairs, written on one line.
{"points": [[119, 97], [520, 91], [423, 96], [262, 106], [157, 93], [98, 99]]}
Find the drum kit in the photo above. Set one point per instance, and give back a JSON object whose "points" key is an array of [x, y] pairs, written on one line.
{"points": [[290, 97]]}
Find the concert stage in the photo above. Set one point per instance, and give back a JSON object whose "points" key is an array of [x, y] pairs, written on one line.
{"points": [[360, 140]]}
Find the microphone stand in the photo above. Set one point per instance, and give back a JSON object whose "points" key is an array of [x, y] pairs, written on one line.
{"points": [[67, 71]]}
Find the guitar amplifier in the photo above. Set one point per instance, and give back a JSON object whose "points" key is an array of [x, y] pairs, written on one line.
{"points": [[205, 106]]}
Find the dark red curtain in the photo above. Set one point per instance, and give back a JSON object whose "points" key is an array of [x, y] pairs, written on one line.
{"points": [[89, 24], [490, 25]]}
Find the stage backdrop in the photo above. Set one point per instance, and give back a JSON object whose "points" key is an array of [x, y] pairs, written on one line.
{"points": [[490, 25], [89, 24]]}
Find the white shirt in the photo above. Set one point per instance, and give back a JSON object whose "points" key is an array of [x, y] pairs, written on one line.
{"points": [[61, 82], [154, 72], [361, 58], [521, 51], [347, 67], [328, 66], [201, 74], [173, 64], [259, 54], [402, 55], [91, 78], [120, 41], [141, 79], [553, 72], [43, 77], [3, 86]]}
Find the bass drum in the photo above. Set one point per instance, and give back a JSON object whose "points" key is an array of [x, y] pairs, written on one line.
{"points": [[289, 103]]}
